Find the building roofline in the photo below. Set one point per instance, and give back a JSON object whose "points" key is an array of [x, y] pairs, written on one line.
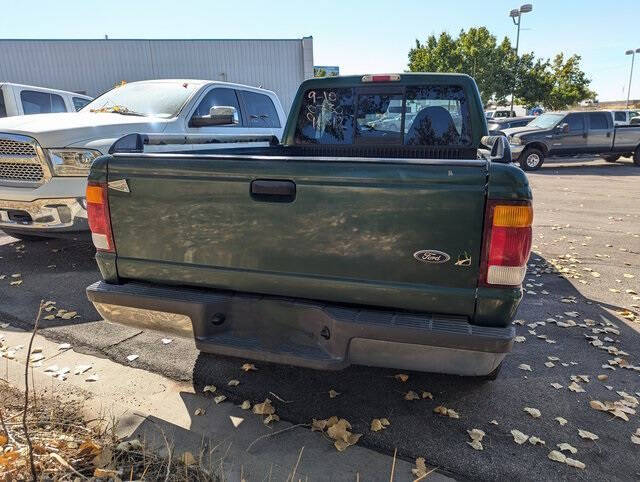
{"points": [[154, 39]]}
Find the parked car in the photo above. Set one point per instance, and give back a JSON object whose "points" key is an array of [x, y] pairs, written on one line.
{"points": [[17, 99], [319, 252], [499, 113], [623, 117], [497, 126], [45, 159], [570, 134]]}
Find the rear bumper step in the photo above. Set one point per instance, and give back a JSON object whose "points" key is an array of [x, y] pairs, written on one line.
{"points": [[305, 333]]}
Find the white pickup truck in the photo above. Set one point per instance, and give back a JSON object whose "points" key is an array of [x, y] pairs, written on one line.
{"points": [[45, 159], [18, 99]]}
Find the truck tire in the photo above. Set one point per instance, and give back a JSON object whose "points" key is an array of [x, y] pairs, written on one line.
{"points": [[531, 159], [636, 157], [23, 236], [611, 158]]}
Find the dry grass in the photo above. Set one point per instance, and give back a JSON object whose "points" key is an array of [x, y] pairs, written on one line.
{"points": [[66, 446]]}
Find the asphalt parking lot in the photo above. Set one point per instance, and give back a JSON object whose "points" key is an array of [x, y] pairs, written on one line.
{"points": [[584, 273]]}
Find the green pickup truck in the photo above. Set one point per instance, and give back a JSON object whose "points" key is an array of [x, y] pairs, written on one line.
{"points": [[386, 230]]}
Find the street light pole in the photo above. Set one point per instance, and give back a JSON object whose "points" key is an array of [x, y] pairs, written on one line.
{"points": [[633, 56], [517, 14]]}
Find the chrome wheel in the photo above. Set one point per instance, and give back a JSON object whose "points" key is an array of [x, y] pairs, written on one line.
{"points": [[533, 160]]}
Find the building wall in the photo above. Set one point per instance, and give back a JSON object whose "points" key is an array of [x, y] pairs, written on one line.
{"points": [[94, 66]]}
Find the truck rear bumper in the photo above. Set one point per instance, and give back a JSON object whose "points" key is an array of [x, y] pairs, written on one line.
{"points": [[306, 333]]}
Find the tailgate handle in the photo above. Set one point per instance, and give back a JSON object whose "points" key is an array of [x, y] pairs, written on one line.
{"points": [[272, 190]]}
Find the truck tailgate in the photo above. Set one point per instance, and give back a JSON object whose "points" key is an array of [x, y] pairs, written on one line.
{"points": [[393, 234]]}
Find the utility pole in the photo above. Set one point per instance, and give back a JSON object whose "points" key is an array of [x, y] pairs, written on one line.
{"points": [[516, 13], [633, 56]]}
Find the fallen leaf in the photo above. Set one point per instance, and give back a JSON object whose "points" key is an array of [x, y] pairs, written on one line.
{"points": [[166, 341], [318, 425], [557, 386], [557, 456], [187, 458], [233, 383], [575, 463], [476, 434], [247, 367], [199, 412], [411, 395], [271, 418], [333, 393], [428, 395], [575, 387], [560, 420], [603, 377], [420, 470], [376, 425], [519, 437], [520, 339], [68, 315], [64, 346], [236, 420], [476, 444], [209, 388], [567, 447], [524, 366], [246, 405], [534, 412], [132, 357], [549, 364], [106, 473], [48, 317], [385, 422], [219, 399], [494, 422], [587, 435], [536, 441], [401, 377], [264, 408]]}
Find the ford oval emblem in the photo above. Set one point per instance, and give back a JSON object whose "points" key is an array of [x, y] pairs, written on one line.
{"points": [[431, 256]]}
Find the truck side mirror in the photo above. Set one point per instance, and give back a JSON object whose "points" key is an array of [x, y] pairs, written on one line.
{"points": [[218, 116], [500, 150]]}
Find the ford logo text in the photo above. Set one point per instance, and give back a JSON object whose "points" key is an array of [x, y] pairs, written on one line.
{"points": [[431, 256]]}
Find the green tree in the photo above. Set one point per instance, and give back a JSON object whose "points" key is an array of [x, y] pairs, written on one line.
{"points": [[319, 72], [570, 83], [498, 71]]}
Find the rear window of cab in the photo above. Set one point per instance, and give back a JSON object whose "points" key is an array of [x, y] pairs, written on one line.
{"points": [[431, 115]]}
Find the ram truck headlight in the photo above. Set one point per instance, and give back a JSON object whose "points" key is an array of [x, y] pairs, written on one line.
{"points": [[516, 141], [72, 162]]}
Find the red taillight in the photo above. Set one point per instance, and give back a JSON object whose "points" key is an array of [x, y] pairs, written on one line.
{"points": [[380, 78], [99, 219], [507, 243]]}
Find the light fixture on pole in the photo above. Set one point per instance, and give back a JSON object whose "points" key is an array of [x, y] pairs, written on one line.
{"points": [[633, 56], [516, 13]]}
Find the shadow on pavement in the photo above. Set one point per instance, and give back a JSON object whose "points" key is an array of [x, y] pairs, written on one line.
{"points": [[416, 431], [50, 269], [624, 167]]}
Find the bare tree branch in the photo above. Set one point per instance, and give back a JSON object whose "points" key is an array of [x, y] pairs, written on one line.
{"points": [[34, 474]]}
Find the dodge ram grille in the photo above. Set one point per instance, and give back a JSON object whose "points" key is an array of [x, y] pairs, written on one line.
{"points": [[15, 171], [20, 160]]}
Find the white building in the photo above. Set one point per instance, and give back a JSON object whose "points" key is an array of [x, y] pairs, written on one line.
{"points": [[93, 66]]}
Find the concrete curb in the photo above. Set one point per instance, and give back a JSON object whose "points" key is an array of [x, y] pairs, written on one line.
{"points": [[151, 407]]}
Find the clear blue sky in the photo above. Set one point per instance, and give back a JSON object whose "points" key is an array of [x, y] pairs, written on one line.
{"points": [[359, 36]]}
